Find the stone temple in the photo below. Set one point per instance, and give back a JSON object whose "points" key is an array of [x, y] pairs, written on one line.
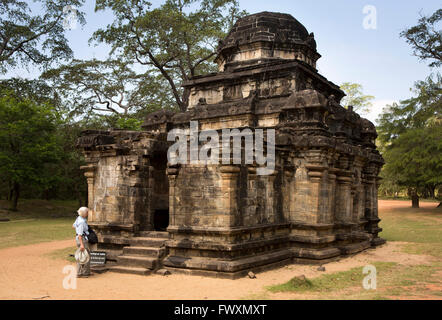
{"points": [[223, 220]]}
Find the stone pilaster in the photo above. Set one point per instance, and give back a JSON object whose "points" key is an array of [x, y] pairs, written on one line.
{"points": [[172, 173], [332, 186], [250, 216], [343, 192], [229, 189], [89, 173], [371, 203], [288, 191], [268, 181]]}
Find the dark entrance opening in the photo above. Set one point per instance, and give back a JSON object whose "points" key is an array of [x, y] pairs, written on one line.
{"points": [[160, 192], [161, 220]]}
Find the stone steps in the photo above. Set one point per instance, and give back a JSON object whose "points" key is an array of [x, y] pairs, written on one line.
{"points": [[154, 234], [144, 254], [144, 251], [131, 270], [138, 261], [147, 242]]}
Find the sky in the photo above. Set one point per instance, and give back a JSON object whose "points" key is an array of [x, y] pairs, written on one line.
{"points": [[378, 59]]}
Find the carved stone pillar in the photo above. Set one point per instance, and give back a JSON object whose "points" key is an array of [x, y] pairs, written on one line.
{"points": [[250, 217], [317, 172], [343, 192], [288, 190], [371, 207], [89, 173], [358, 191], [267, 181], [229, 188], [343, 199], [172, 173], [332, 194], [317, 197]]}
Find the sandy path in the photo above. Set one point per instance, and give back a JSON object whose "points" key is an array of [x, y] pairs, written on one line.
{"points": [[27, 272], [396, 204]]}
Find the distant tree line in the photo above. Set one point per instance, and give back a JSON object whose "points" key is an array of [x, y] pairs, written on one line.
{"points": [[410, 131]]}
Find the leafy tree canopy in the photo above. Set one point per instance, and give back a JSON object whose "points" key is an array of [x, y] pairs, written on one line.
{"points": [[410, 139], [36, 90], [355, 97], [414, 159], [107, 87], [27, 143], [422, 110], [176, 40], [38, 39], [426, 38]]}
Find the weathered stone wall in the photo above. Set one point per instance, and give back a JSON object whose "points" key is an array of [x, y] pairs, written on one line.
{"points": [[318, 204]]}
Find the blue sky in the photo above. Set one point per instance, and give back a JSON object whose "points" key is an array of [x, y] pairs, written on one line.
{"points": [[378, 59]]}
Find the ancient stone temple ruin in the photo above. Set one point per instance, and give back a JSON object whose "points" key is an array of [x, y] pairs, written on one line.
{"points": [[318, 204]]}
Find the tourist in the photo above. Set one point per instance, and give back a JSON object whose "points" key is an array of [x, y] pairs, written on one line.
{"points": [[82, 231]]}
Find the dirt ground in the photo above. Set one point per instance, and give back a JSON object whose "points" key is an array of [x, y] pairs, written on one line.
{"points": [[27, 272]]}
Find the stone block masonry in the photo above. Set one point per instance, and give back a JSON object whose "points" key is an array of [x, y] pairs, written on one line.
{"points": [[224, 220]]}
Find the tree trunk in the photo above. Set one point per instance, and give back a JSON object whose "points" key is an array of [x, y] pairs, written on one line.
{"points": [[13, 202], [185, 101], [11, 192], [414, 199], [432, 190]]}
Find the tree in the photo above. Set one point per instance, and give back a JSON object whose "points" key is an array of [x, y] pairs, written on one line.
{"points": [[425, 39], [34, 39], [67, 179], [355, 97], [410, 140], [410, 131], [415, 160], [36, 90], [27, 144], [106, 87], [175, 41], [425, 109]]}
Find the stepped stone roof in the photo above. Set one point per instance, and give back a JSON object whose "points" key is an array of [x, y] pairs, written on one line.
{"points": [[279, 28]]}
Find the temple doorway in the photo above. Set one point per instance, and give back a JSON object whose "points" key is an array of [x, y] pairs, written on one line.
{"points": [[161, 220], [160, 192]]}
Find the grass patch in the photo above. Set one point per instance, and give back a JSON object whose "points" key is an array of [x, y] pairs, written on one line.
{"points": [[17, 233], [63, 254], [393, 280], [295, 284], [412, 225], [430, 249], [37, 221], [330, 282], [34, 208], [410, 230], [412, 275]]}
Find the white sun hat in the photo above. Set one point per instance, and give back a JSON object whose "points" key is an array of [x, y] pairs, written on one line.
{"points": [[82, 257]]}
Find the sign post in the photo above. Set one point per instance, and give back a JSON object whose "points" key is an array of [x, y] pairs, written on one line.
{"points": [[98, 258]]}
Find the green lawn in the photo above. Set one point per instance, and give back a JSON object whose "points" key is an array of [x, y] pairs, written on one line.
{"points": [[330, 282], [37, 221], [420, 228], [412, 225]]}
